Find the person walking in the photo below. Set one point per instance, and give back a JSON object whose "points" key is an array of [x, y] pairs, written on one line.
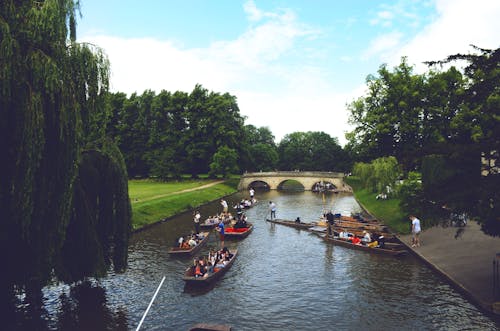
{"points": [[272, 208], [196, 220], [415, 231]]}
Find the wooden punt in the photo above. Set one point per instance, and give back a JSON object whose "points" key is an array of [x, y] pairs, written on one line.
{"points": [[190, 251], [293, 224], [210, 327], [211, 276], [238, 233], [393, 250]]}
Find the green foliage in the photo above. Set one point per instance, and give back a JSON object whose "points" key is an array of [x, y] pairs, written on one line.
{"points": [[411, 195], [378, 176], [51, 110], [311, 151], [387, 211], [224, 162]]}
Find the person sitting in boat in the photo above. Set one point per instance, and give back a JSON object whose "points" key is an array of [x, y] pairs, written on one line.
{"points": [[241, 223], [180, 241], [380, 239], [226, 252], [185, 245], [199, 269], [355, 240], [297, 220], [192, 242], [367, 238]]}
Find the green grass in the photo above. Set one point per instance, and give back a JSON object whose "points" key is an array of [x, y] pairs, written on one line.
{"points": [[153, 201], [388, 211]]}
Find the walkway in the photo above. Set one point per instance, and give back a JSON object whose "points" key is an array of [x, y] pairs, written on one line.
{"points": [[464, 257]]}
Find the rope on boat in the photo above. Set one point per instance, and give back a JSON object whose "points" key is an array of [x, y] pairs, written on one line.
{"points": [[150, 304]]}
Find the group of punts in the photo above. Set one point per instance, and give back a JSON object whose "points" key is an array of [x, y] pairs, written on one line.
{"points": [[390, 247], [230, 233], [192, 250], [210, 277]]}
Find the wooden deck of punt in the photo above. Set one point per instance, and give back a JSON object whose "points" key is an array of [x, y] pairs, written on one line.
{"points": [[212, 277], [210, 327], [230, 233], [390, 249], [191, 251], [292, 224]]}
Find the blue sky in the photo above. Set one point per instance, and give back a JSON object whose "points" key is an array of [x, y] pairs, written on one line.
{"points": [[293, 65]]}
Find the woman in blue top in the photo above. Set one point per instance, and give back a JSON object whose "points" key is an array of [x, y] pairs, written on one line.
{"points": [[220, 229]]}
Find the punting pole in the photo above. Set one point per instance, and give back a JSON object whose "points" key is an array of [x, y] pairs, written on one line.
{"points": [[150, 304]]}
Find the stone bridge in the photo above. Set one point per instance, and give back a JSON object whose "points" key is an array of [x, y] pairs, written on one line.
{"points": [[307, 178]]}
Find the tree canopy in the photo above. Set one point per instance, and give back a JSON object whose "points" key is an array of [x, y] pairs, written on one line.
{"points": [[52, 125], [444, 124]]}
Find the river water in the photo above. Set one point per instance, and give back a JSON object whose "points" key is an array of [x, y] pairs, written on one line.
{"points": [[282, 279]]}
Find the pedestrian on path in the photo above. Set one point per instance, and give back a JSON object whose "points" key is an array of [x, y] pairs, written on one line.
{"points": [[415, 231]]}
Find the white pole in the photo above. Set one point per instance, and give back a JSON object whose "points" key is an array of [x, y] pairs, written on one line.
{"points": [[150, 304]]}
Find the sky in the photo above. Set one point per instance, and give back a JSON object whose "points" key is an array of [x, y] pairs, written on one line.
{"points": [[293, 65]]}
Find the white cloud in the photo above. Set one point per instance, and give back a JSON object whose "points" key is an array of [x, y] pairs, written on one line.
{"points": [[383, 45], [286, 98], [458, 24]]}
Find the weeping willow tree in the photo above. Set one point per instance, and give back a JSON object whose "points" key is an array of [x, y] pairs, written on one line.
{"points": [[64, 208]]}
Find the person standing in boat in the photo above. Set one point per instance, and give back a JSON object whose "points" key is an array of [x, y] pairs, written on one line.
{"points": [[224, 206], [196, 220], [220, 229], [252, 193], [272, 208], [330, 220]]}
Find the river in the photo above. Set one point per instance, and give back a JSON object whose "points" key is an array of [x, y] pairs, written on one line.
{"points": [[283, 279]]}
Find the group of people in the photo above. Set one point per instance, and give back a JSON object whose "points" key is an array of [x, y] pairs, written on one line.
{"points": [[189, 241], [368, 239], [215, 260]]}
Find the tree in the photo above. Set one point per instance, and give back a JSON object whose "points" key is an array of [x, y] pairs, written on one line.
{"points": [[224, 162], [311, 151], [52, 114]]}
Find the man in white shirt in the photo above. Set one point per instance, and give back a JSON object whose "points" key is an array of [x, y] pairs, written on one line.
{"points": [[415, 230]]}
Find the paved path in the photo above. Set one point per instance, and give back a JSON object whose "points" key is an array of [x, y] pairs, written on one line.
{"points": [[464, 257]]}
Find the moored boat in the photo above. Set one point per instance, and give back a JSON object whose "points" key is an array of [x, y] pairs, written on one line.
{"points": [[210, 277], [293, 224], [389, 249], [192, 250]]}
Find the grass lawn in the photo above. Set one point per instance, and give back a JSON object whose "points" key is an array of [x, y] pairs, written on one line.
{"points": [[387, 211], [152, 201]]}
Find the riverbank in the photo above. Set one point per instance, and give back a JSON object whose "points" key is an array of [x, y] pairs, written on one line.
{"points": [[153, 202], [463, 256]]}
